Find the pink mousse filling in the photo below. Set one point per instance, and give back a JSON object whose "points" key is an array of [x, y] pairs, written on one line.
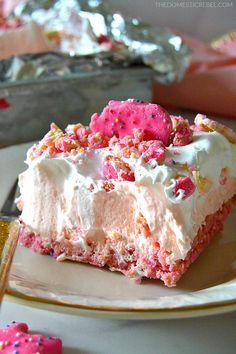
{"points": [[152, 259]]}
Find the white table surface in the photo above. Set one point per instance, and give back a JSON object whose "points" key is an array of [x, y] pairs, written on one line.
{"points": [[212, 335]]}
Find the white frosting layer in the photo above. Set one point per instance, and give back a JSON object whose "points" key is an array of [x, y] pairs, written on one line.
{"points": [[65, 192]]}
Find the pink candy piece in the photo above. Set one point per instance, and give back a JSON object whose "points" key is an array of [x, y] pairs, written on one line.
{"points": [[185, 184], [120, 118], [15, 339]]}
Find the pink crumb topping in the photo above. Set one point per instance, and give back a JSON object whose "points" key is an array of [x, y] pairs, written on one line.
{"points": [[122, 125]]}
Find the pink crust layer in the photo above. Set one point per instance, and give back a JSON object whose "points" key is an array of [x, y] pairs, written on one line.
{"points": [[15, 339], [126, 256]]}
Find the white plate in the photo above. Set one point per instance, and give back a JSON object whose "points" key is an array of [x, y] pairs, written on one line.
{"points": [[208, 287]]}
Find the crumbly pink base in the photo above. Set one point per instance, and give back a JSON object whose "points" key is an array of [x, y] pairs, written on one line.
{"points": [[120, 254]]}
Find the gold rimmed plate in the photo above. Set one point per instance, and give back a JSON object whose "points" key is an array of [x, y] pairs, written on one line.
{"points": [[209, 286]]}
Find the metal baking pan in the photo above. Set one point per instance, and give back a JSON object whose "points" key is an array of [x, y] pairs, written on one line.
{"points": [[32, 105]]}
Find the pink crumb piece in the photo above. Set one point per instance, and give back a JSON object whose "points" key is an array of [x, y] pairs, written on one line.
{"points": [[210, 125], [108, 186], [15, 339], [181, 134], [139, 134], [197, 128], [109, 171], [185, 184], [115, 168], [152, 150], [66, 144], [120, 118], [82, 133], [124, 147], [97, 141]]}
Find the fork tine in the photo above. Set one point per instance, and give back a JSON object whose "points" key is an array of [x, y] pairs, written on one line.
{"points": [[9, 208]]}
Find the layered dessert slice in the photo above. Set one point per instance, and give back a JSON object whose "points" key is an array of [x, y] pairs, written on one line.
{"points": [[138, 190]]}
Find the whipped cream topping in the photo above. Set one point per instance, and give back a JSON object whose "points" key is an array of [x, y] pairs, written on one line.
{"points": [[67, 192]]}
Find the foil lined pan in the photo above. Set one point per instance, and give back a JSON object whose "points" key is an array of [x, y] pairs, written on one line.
{"points": [[28, 107], [87, 35], [52, 64], [94, 55]]}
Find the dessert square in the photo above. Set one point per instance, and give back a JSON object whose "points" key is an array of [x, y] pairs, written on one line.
{"points": [[138, 190]]}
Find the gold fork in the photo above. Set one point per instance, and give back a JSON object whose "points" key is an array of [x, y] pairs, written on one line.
{"points": [[9, 229]]}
